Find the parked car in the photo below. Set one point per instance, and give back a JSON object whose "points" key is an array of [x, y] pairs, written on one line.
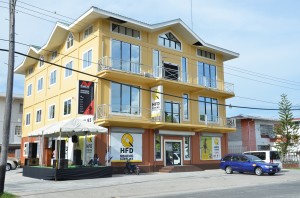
{"points": [[247, 163], [267, 156], [10, 165], [15, 160]]}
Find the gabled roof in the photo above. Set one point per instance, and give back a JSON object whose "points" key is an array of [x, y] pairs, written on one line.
{"points": [[61, 31]]}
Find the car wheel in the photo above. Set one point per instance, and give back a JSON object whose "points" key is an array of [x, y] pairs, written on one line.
{"points": [[8, 167], [258, 171], [228, 170], [271, 173]]}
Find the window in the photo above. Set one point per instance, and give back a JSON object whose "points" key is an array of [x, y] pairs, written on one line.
{"points": [[125, 56], [169, 40], [21, 108], [27, 121], [87, 59], [41, 61], [172, 112], [40, 84], [88, 31], [125, 99], [184, 74], [18, 130], [187, 147], [206, 54], [53, 55], [51, 112], [185, 106], [68, 70], [266, 130], [53, 77], [70, 40], [38, 115], [156, 63], [158, 147], [67, 107], [208, 107], [125, 30], [30, 70], [207, 75], [29, 90], [170, 71]]}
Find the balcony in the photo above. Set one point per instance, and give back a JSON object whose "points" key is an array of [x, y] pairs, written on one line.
{"points": [[129, 116], [167, 72]]}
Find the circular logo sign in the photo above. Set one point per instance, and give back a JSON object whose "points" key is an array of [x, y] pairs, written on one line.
{"points": [[127, 140]]}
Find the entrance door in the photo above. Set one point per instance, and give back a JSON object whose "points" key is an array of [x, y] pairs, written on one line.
{"points": [[173, 153]]}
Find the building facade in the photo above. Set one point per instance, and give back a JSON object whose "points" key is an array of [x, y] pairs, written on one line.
{"points": [[252, 133], [157, 88], [15, 123]]}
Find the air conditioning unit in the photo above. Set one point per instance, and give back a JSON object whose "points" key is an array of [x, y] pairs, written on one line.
{"points": [[146, 74]]}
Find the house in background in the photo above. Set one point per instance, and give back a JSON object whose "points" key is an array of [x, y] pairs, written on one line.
{"points": [[155, 87], [252, 133], [16, 123]]}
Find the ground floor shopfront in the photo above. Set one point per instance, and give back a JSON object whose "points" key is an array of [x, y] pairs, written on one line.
{"points": [[151, 149]]}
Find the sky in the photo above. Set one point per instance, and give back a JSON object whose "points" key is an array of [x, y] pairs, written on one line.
{"points": [[264, 33]]}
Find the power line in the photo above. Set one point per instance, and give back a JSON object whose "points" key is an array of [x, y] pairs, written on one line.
{"points": [[148, 90]]}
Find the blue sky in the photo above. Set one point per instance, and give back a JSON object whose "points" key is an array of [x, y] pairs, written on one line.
{"points": [[265, 33]]}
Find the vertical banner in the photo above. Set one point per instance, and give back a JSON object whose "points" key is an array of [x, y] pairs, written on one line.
{"points": [[87, 147], [126, 146], [156, 102], [210, 148], [86, 97]]}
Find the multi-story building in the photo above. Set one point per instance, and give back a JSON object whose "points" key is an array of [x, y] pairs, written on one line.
{"points": [[15, 123], [158, 88], [252, 133]]}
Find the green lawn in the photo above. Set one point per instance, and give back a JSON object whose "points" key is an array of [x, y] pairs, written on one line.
{"points": [[7, 195]]}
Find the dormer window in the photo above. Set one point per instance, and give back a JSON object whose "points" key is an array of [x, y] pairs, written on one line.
{"points": [[42, 61], [88, 31], [169, 40], [70, 40]]}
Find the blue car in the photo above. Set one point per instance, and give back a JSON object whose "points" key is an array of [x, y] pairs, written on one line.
{"points": [[247, 163]]}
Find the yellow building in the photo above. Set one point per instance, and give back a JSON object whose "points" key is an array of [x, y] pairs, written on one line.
{"points": [[158, 88]]}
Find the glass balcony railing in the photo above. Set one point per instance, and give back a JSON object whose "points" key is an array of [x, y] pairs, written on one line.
{"points": [[168, 73]]}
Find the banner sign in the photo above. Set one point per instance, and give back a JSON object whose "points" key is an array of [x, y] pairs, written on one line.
{"points": [[156, 101], [86, 97], [87, 146], [210, 148], [126, 146]]}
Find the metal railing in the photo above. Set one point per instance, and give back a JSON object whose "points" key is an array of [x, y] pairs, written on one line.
{"points": [[108, 63]]}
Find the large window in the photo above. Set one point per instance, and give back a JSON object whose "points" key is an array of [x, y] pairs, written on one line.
{"points": [[87, 59], [208, 107], [172, 112], [125, 30], [266, 130], [18, 130], [29, 90], [170, 71], [207, 75], [27, 121], [68, 70], [125, 56], [125, 99], [184, 74], [156, 63], [169, 40], [67, 107], [185, 106], [51, 112], [38, 115], [187, 147], [158, 147], [40, 84], [70, 40], [53, 77]]}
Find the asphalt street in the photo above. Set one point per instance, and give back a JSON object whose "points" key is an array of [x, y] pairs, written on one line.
{"points": [[209, 183]]}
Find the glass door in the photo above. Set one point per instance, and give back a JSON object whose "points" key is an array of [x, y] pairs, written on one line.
{"points": [[173, 153]]}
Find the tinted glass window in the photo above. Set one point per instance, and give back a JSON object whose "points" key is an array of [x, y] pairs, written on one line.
{"points": [[227, 158], [243, 159], [235, 158]]}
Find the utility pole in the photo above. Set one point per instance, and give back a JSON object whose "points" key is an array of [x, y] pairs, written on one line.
{"points": [[9, 92]]}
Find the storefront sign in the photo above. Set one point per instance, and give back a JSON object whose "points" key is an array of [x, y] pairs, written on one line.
{"points": [[156, 101], [210, 148], [126, 146], [87, 147], [86, 97]]}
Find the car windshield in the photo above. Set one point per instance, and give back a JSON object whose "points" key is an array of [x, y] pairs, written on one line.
{"points": [[254, 158]]}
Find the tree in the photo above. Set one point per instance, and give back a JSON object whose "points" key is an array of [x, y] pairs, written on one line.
{"points": [[286, 131]]}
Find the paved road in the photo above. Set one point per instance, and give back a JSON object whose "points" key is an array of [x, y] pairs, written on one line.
{"points": [[208, 183]]}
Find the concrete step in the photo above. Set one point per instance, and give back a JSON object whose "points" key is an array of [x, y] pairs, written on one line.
{"points": [[185, 168]]}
